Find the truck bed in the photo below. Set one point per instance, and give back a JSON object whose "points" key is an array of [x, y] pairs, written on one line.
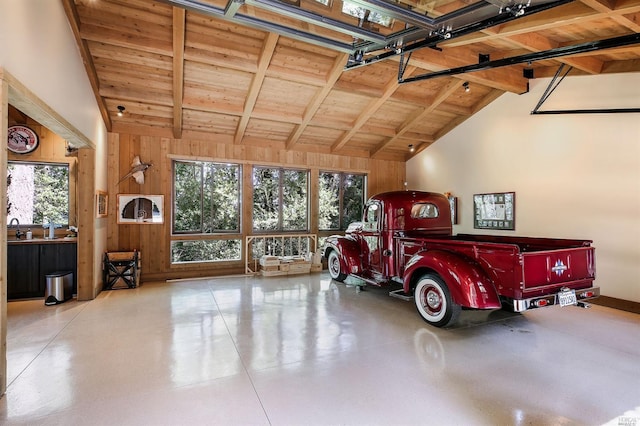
{"points": [[521, 267]]}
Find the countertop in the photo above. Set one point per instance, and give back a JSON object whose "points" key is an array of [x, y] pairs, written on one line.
{"points": [[60, 240]]}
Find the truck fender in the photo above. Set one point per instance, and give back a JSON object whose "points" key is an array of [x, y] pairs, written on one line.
{"points": [[348, 250], [469, 286]]}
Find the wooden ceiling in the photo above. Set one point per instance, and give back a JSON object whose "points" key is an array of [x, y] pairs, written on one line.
{"points": [[189, 75]]}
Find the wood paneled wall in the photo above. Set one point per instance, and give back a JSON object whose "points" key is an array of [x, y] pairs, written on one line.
{"points": [[154, 241]]}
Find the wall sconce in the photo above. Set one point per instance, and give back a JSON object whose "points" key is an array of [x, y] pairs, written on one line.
{"points": [[120, 110], [411, 147], [466, 86]]}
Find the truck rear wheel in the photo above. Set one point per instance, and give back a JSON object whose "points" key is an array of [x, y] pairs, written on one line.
{"points": [[335, 269], [434, 302]]}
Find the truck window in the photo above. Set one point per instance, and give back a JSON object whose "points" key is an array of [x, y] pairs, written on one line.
{"points": [[424, 211], [371, 217]]}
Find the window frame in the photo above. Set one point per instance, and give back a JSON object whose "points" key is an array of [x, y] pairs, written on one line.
{"points": [[342, 176], [70, 188], [201, 231], [280, 229]]}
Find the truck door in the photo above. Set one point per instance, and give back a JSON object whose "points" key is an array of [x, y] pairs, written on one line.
{"points": [[371, 238]]}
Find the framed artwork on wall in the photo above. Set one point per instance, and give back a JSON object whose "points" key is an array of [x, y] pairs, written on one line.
{"points": [[140, 209], [495, 211], [102, 204], [453, 206]]}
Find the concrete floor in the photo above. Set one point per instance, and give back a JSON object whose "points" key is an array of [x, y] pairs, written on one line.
{"points": [[305, 350]]}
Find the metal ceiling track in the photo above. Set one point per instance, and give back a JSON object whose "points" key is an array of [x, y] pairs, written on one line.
{"points": [[424, 39], [553, 85], [422, 31], [532, 57]]}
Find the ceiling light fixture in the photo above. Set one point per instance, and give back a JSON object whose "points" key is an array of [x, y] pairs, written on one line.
{"points": [[466, 86], [120, 110], [411, 147]]}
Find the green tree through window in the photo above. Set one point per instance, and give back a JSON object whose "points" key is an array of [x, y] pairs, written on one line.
{"points": [[341, 200], [280, 199], [38, 193], [206, 198]]}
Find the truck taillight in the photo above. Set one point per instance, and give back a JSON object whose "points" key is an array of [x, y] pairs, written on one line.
{"points": [[586, 294], [540, 303]]}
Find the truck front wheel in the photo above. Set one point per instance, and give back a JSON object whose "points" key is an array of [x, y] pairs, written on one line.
{"points": [[434, 302], [334, 266]]}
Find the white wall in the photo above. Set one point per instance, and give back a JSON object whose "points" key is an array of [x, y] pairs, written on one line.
{"points": [[38, 48], [575, 176]]}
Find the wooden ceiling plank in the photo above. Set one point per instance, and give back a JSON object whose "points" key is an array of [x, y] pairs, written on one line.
{"points": [[447, 90], [318, 99], [74, 21], [179, 23], [370, 109], [127, 41], [268, 49]]}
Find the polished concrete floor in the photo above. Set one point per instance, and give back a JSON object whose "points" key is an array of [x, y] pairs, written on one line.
{"points": [[303, 350]]}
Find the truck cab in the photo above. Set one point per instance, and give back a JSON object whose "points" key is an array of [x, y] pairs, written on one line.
{"points": [[370, 252]]}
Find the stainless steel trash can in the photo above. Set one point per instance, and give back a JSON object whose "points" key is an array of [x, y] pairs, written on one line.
{"points": [[59, 286]]}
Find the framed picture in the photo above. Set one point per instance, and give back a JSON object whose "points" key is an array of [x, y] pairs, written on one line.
{"points": [[495, 211], [453, 205], [102, 204], [140, 209]]}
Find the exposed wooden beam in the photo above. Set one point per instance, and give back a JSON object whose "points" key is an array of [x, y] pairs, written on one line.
{"points": [[507, 79], [268, 48], [373, 106], [446, 91], [74, 21], [179, 19], [536, 43], [318, 99]]}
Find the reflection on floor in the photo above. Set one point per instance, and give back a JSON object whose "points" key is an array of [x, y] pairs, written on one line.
{"points": [[306, 350]]}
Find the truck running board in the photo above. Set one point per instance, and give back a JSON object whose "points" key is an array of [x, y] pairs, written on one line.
{"points": [[400, 294]]}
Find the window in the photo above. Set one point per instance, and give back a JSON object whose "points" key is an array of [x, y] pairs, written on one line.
{"points": [[38, 193], [206, 198], [205, 250], [341, 200], [424, 211], [365, 14], [280, 199]]}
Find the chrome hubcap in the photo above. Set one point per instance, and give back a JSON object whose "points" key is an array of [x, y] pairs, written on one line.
{"points": [[433, 299]]}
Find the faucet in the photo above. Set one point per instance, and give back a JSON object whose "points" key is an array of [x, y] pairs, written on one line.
{"points": [[19, 233], [52, 229]]}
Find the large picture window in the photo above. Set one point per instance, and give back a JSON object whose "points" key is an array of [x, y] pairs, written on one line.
{"points": [[38, 193], [280, 200], [206, 198], [341, 200]]}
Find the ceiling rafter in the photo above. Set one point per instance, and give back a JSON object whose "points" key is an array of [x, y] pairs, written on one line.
{"points": [[179, 20], [538, 43], [268, 49], [510, 80], [318, 99], [74, 21], [447, 90], [626, 18], [371, 109]]}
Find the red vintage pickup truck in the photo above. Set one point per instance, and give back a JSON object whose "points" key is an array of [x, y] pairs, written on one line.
{"points": [[405, 239]]}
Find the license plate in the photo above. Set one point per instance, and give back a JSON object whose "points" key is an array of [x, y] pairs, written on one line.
{"points": [[567, 298]]}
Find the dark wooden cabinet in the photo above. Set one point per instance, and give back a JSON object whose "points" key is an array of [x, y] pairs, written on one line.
{"points": [[23, 271], [29, 263]]}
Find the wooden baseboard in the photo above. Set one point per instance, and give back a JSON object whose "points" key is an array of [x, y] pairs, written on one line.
{"points": [[621, 304]]}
